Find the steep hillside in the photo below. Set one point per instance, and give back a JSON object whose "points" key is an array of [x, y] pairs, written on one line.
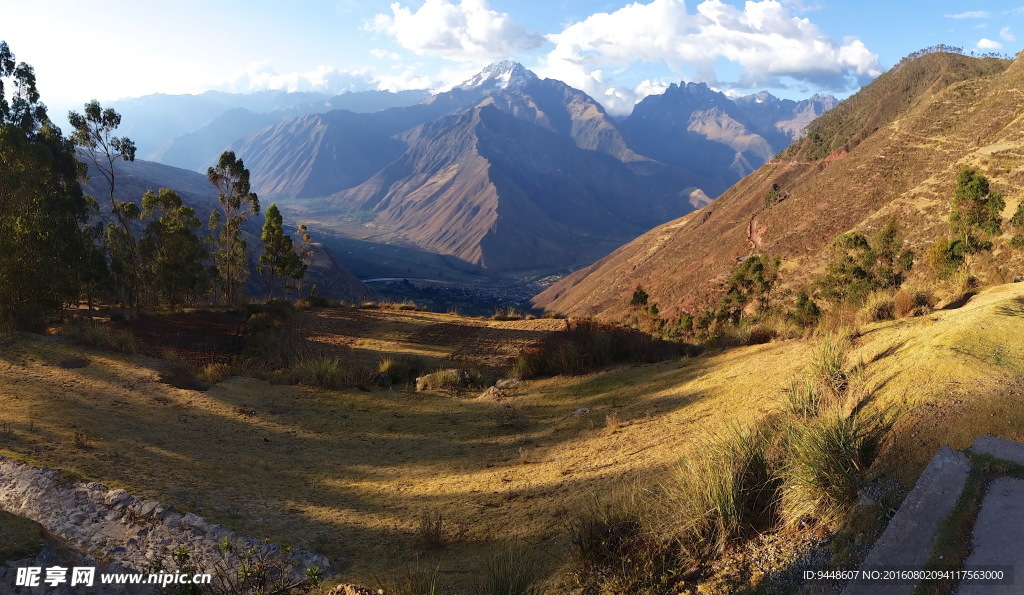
{"points": [[500, 192], [891, 150], [200, 149]]}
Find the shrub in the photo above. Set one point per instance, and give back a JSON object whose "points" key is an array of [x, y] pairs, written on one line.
{"points": [[826, 463], [912, 302], [507, 314], [451, 379]]}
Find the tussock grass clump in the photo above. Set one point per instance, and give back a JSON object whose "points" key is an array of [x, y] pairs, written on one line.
{"points": [[448, 379], [512, 571], [617, 547], [434, 531], [213, 373], [726, 494], [587, 346], [802, 398], [400, 368], [123, 342], [912, 302], [321, 372], [827, 459], [878, 307], [828, 361], [507, 314], [88, 332]]}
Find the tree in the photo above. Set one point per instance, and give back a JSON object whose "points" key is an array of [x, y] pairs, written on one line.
{"points": [[975, 210], [859, 266], [279, 257], [238, 203], [41, 204], [1017, 222], [93, 131], [173, 252], [752, 281]]}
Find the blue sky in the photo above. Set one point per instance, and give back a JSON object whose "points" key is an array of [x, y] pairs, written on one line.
{"points": [[615, 50]]}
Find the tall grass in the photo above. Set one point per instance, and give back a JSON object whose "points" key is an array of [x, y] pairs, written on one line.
{"points": [[512, 571], [725, 494], [802, 398], [321, 372], [828, 360], [826, 463]]}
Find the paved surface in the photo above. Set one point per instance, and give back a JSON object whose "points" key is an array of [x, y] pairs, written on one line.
{"points": [[998, 537], [908, 538]]}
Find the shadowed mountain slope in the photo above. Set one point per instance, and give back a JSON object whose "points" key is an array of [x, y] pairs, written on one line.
{"points": [[500, 192], [891, 150]]}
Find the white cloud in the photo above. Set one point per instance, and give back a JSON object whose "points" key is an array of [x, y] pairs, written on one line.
{"points": [[763, 37], [988, 44], [467, 31], [970, 14], [1007, 35], [260, 76], [385, 55]]}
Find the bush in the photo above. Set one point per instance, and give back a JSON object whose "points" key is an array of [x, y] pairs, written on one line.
{"points": [[213, 373], [912, 302], [449, 379], [123, 342], [826, 463], [507, 314], [88, 332]]}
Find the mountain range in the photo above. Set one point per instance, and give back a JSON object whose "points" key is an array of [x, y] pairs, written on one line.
{"points": [[505, 172], [892, 150]]}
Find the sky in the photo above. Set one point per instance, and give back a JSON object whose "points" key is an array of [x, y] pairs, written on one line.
{"points": [[616, 51]]}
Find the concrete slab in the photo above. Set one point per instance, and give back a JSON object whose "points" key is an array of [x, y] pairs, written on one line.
{"points": [[1000, 449], [907, 541], [997, 536]]}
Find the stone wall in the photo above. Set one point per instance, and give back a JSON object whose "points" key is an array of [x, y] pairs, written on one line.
{"points": [[124, 531]]}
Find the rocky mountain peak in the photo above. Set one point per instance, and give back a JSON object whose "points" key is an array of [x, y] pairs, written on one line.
{"points": [[501, 75]]}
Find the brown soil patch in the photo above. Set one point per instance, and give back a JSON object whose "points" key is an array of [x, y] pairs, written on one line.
{"points": [[366, 335], [199, 338]]}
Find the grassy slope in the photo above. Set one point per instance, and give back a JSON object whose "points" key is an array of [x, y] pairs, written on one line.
{"points": [[351, 473]]}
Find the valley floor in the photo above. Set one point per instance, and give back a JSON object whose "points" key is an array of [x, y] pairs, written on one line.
{"points": [[351, 474]]}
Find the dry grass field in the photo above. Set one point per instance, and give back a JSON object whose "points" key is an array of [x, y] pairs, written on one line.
{"points": [[352, 474]]}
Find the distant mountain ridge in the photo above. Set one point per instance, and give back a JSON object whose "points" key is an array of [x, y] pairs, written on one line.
{"points": [[892, 150]]}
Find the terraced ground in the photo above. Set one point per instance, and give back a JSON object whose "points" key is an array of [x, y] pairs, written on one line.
{"points": [[351, 473]]}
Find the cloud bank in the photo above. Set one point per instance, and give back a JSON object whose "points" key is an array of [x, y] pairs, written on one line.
{"points": [[764, 38], [467, 31]]}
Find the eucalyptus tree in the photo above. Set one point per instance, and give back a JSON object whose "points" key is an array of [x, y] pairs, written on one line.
{"points": [[94, 133], [238, 202]]}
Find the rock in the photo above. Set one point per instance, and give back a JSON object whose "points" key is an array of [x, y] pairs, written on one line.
{"points": [[492, 394], [581, 411], [383, 380], [506, 383]]}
